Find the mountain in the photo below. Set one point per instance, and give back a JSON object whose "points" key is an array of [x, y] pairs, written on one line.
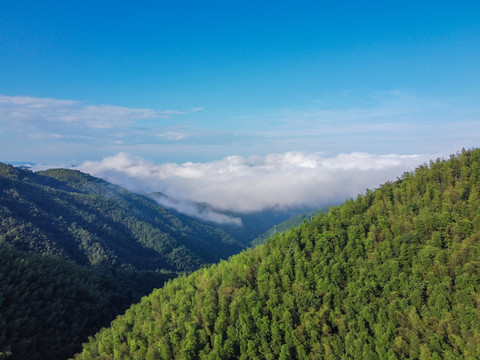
{"points": [[285, 225], [76, 251], [393, 274], [75, 216], [256, 223]]}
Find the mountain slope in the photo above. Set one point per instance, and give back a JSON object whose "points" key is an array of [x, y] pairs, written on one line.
{"points": [[49, 306], [75, 216], [394, 274]]}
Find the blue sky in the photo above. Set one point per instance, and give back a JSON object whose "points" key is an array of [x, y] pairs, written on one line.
{"points": [[220, 78], [190, 81]]}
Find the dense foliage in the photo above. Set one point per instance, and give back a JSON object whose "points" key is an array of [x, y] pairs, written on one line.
{"points": [[49, 306], [75, 216], [394, 274]]}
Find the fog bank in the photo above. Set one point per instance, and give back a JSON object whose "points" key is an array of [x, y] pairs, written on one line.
{"points": [[247, 184]]}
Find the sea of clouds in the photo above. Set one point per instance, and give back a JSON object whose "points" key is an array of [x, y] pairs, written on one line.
{"points": [[248, 184]]}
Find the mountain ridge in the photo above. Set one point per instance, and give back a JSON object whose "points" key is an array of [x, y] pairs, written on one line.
{"points": [[109, 225]]}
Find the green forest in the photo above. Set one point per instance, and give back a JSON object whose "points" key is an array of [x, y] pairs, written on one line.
{"points": [[392, 274], [76, 251]]}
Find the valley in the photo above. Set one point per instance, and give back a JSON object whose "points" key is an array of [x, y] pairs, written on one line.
{"points": [[247, 180], [78, 251]]}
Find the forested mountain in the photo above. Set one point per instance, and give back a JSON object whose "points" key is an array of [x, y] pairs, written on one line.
{"points": [[394, 274], [75, 216], [105, 248]]}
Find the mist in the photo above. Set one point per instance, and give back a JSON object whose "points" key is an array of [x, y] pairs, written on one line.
{"points": [[247, 184], [196, 210]]}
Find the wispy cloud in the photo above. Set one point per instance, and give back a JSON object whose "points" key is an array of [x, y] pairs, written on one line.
{"points": [[380, 112], [196, 210], [247, 184], [393, 122], [173, 135], [22, 110], [46, 136], [64, 116]]}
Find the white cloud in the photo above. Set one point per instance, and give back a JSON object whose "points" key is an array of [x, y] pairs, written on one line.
{"points": [[242, 184], [68, 116], [392, 121], [45, 136], [31, 110], [172, 135], [383, 122]]}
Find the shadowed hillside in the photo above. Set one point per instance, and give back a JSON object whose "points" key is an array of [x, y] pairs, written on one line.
{"points": [[49, 306]]}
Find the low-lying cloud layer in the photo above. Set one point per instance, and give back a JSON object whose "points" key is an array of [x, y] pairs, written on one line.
{"points": [[240, 184]]}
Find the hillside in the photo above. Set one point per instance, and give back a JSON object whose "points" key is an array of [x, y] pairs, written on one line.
{"points": [[75, 216], [49, 306], [394, 274], [103, 249]]}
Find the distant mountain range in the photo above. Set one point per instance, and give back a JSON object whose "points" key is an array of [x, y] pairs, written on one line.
{"points": [[244, 227], [75, 216], [21, 164]]}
